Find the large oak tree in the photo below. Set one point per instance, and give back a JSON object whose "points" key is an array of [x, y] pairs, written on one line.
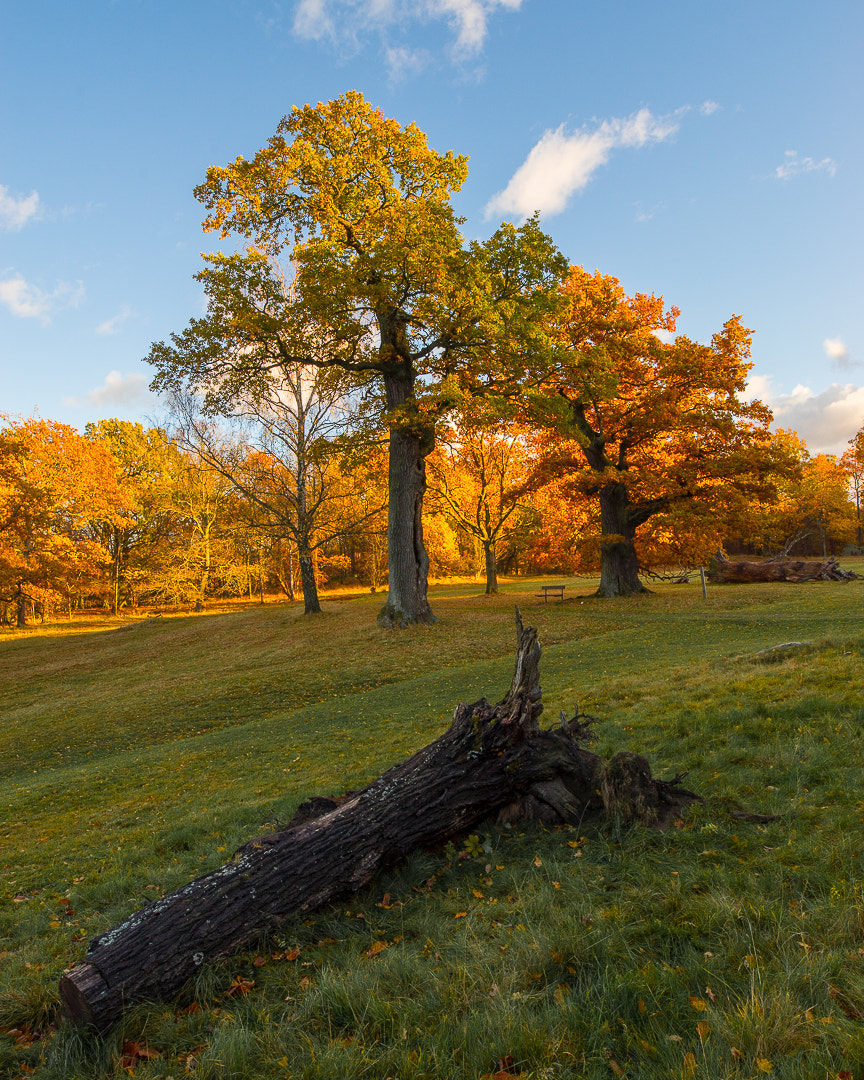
{"points": [[643, 424], [354, 211]]}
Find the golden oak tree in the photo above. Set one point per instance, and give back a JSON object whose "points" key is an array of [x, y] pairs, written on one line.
{"points": [[382, 287], [642, 424]]}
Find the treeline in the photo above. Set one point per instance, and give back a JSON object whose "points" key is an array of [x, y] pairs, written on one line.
{"points": [[123, 516]]}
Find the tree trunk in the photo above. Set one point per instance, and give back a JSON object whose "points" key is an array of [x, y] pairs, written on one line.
{"points": [[21, 606], [490, 759], [619, 567], [491, 567], [311, 604], [408, 563]]}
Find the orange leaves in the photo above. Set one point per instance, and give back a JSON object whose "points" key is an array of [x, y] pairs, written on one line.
{"points": [[240, 986], [133, 1052], [698, 1003], [376, 948]]}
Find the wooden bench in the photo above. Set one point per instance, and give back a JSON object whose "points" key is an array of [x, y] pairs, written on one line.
{"points": [[551, 590]]}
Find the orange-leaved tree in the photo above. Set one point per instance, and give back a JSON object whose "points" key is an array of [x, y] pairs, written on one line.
{"points": [[477, 476], [852, 461], [643, 424], [53, 484]]}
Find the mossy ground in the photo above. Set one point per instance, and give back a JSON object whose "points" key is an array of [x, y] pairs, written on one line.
{"points": [[138, 756]]}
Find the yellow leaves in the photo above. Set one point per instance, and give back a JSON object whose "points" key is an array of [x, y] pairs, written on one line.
{"points": [[690, 1061], [703, 1031], [698, 1003], [376, 948], [764, 1065]]}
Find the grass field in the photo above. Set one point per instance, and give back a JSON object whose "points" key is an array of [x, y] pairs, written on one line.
{"points": [[135, 755]]}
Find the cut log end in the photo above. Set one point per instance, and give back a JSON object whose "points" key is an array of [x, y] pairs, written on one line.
{"points": [[81, 991]]}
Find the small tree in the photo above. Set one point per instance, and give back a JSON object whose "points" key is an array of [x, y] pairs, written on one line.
{"points": [[477, 481], [280, 461]]}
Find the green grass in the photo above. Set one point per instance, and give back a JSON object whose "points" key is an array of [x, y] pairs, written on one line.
{"points": [[136, 757]]}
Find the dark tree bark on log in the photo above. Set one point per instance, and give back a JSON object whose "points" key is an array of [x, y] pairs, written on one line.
{"points": [[723, 570], [492, 759]]}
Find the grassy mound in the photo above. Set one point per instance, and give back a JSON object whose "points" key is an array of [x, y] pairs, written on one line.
{"points": [[139, 756]]}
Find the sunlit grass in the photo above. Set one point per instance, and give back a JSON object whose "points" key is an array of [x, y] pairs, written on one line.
{"points": [[137, 757]]}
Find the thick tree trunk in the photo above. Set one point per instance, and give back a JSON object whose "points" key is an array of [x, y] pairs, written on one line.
{"points": [[491, 567], [491, 759], [407, 561], [619, 567]]}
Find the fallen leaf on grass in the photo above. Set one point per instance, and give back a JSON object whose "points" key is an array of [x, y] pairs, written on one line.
{"points": [[190, 1059], [240, 986], [615, 1067], [375, 948], [698, 1003], [736, 1054], [703, 1030], [845, 1075], [259, 961], [134, 1051], [764, 1065], [690, 1062]]}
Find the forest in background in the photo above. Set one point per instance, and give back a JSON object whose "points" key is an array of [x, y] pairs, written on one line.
{"points": [[124, 516]]}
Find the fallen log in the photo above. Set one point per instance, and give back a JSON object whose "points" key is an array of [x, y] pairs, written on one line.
{"points": [[741, 571], [492, 759]]}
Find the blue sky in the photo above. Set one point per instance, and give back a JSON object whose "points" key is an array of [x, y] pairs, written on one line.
{"points": [[707, 151]]}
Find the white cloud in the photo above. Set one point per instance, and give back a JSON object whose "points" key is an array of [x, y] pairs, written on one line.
{"points": [[30, 302], [345, 20], [794, 166], [837, 352], [112, 325], [709, 107], [15, 213], [825, 420], [561, 164], [117, 389]]}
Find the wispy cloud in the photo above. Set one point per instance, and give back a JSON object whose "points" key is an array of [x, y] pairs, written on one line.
{"points": [[707, 108], [344, 21], [825, 420], [112, 325], [561, 164], [15, 213], [126, 390], [794, 166], [837, 352], [402, 62], [30, 302]]}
